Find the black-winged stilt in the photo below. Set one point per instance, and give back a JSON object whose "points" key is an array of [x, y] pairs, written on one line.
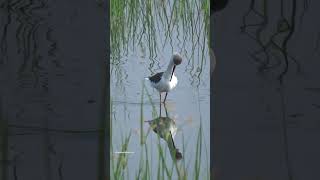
{"points": [[166, 81]]}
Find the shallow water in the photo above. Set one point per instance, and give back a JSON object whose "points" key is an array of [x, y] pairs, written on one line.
{"points": [[188, 104]]}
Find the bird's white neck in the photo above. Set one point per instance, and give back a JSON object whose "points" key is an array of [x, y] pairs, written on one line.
{"points": [[168, 72]]}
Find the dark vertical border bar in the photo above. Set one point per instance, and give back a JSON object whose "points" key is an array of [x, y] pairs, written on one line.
{"points": [[3, 118], [215, 6], [3, 141], [104, 135], [211, 89], [47, 36]]}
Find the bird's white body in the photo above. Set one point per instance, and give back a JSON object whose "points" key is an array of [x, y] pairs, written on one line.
{"points": [[166, 81], [165, 85]]}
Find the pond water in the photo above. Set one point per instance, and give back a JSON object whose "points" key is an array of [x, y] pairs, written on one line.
{"points": [[143, 46]]}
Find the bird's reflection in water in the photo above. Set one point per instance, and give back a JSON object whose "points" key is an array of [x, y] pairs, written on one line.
{"points": [[166, 128]]}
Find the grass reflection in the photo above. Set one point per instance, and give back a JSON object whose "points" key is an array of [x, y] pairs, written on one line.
{"points": [[167, 166], [146, 27]]}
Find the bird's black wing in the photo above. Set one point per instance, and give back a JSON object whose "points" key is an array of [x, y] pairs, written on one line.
{"points": [[156, 78]]}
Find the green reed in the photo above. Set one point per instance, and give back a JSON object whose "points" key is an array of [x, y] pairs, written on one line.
{"points": [[140, 25], [166, 168], [145, 27]]}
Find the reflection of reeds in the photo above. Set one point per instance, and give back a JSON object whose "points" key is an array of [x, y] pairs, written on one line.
{"points": [[139, 25], [26, 22], [118, 163], [271, 43], [145, 27], [166, 168], [273, 53]]}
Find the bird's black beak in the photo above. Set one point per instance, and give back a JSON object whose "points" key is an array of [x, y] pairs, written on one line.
{"points": [[174, 67]]}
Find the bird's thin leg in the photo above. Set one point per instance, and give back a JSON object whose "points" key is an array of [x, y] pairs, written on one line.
{"points": [[160, 103], [165, 108], [165, 97]]}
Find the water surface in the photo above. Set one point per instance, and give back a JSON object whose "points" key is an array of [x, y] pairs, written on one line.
{"points": [[149, 52]]}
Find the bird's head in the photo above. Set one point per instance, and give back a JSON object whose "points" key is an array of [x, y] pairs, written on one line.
{"points": [[178, 155], [176, 58]]}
